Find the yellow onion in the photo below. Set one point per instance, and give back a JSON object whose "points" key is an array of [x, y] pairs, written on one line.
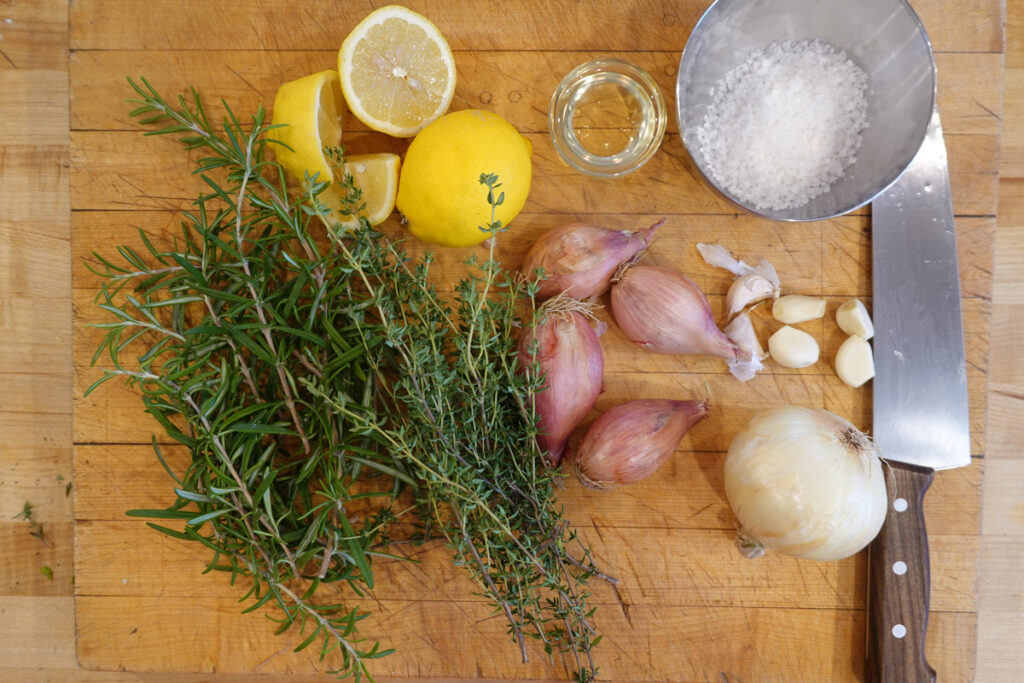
{"points": [[565, 350], [665, 311], [804, 482], [633, 439], [578, 259]]}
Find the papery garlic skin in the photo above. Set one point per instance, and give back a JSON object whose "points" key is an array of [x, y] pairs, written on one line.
{"points": [[569, 356], [748, 361], [805, 482], [632, 440], [665, 311], [579, 259]]}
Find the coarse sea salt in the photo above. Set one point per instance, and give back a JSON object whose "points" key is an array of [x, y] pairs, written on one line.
{"points": [[785, 124]]}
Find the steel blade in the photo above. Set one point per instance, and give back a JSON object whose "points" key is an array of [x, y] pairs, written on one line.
{"points": [[920, 385]]}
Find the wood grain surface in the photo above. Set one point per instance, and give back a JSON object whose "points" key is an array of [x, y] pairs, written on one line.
{"points": [[126, 604]]}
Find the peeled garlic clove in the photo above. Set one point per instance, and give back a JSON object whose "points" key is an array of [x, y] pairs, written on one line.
{"points": [[748, 361], [749, 289], [855, 363], [797, 308], [793, 348], [853, 319]]}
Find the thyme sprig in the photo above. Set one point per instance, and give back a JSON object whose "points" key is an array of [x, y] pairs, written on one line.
{"points": [[324, 389], [467, 435]]}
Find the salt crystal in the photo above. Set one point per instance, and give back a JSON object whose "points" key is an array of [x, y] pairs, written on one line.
{"points": [[785, 124]]}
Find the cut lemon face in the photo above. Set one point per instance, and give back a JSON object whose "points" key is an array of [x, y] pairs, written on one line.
{"points": [[376, 175], [310, 109], [397, 71]]}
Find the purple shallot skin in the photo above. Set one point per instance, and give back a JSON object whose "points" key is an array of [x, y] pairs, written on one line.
{"points": [[665, 311], [633, 439], [579, 259], [567, 350]]}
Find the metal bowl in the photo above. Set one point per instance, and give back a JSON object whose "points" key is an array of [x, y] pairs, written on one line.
{"points": [[885, 38]]}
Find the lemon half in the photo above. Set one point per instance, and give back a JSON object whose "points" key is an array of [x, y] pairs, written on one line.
{"points": [[309, 111], [397, 71]]}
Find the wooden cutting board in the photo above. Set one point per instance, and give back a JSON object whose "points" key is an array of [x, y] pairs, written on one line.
{"points": [[688, 607]]}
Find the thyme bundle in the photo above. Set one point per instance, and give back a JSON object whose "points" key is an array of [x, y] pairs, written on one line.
{"points": [[325, 390]]}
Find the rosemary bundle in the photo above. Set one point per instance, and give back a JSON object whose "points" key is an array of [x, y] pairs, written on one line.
{"points": [[325, 390]]}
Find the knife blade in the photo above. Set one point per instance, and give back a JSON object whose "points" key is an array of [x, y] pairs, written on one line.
{"points": [[920, 420]]}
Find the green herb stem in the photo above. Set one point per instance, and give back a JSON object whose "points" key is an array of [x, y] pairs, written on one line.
{"points": [[325, 392]]}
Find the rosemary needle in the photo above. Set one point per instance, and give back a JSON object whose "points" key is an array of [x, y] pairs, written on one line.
{"points": [[325, 390]]}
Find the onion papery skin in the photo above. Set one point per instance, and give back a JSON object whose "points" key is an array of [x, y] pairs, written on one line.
{"points": [[663, 310], [568, 354], [579, 259], [633, 439], [805, 482]]}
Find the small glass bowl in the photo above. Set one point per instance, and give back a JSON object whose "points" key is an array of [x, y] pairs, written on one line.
{"points": [[607, 117]]}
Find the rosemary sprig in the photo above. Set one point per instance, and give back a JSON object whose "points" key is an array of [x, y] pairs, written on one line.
{"points": [[218, 334], [312, 383]]}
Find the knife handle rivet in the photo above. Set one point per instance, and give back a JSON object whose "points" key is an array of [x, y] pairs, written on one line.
{"points": [[899, 568], [899, 505], [899, 630]]}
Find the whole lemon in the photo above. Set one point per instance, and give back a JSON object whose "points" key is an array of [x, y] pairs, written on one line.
{"points": [[439, 190]]}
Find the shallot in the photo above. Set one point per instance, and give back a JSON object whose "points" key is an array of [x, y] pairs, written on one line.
{"points": [[665, 311], [804, 482], [633, 439], [579, 260], [565, 350]]}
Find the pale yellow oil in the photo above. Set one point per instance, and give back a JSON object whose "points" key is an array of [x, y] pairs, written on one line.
{"points": [[609, 114]]}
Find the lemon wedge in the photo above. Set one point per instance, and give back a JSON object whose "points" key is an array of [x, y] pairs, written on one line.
{"points": [[309, 110], [376, 175], [397, 71]]}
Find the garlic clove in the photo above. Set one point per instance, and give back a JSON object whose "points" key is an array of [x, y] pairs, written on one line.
{"points": [[797, 308], [855, 363], [793, 348], [748, 361], [749, 289], [853, 319], [752, 283]]}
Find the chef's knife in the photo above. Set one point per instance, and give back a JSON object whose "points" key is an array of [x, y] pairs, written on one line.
{"points": [[920, 398]]}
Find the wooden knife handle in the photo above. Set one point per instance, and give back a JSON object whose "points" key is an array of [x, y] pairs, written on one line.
{"points": [[898, 583]]}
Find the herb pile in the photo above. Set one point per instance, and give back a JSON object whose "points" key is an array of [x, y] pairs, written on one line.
{"points": [[333, 402]]}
